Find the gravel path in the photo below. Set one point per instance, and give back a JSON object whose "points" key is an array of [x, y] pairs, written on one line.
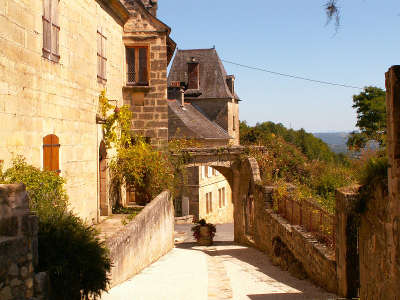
{"points": [[222, 271]]}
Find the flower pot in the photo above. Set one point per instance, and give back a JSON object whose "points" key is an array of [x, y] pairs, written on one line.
{"points": [[205, 238]]}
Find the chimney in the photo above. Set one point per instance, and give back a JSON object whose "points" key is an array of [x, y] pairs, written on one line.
{"points": [[152, 7], [193, 74], [230, 81]]}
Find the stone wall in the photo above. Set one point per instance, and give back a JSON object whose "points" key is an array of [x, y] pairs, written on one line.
{"points": [[288, 245], [144, 240], [148, 103], [39, 97], [18, 244]]}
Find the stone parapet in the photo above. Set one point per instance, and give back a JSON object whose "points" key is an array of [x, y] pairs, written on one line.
{"points": [[144, 240]]}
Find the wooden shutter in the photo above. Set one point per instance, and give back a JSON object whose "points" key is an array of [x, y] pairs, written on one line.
{"points": [[193, 76], [101, 55], [55, 30], [143, 74], [210, 197], [46, 27], [51, 153]]}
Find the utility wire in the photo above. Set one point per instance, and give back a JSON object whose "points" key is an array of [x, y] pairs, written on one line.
{"points": [[292, 76]]}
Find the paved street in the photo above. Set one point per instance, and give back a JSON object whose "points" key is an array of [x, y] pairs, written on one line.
{"points": [[222, 271]]}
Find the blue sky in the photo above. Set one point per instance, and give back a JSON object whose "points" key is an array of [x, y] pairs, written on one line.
{"points": [[290, 36]]}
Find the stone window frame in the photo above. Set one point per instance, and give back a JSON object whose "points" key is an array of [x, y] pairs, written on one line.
{"points": [[101, 55], [137, 46], [51, 30]]}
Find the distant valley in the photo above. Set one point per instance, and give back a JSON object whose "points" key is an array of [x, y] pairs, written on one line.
{"points": [[335, 140]]}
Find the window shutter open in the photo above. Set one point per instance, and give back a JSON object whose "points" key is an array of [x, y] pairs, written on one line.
{"points": [[46, 27], [143, 65]]}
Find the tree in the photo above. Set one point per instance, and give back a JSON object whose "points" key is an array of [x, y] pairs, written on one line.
{"points": [[371, 118]]}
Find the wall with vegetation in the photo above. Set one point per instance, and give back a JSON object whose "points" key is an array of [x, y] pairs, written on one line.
{"points": [[289, 246], [144, 240]]}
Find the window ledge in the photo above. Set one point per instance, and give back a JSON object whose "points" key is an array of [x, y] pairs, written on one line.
{"points": [[137, 88]]}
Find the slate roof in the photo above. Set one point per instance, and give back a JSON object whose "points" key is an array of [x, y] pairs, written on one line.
{"points": [[212, 73], [189, 122]]}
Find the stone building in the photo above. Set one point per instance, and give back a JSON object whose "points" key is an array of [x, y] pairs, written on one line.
{"points": [[56, 57], [203, 106]]}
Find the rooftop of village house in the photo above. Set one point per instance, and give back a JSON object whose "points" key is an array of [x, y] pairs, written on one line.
{"points": [[213, 79]]}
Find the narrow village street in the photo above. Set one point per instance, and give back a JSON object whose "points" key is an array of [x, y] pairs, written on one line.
{"points": [[223, 271]]}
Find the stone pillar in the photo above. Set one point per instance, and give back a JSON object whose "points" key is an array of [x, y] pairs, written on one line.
{"points": [[393, 146], [347, 259], [393, 135]]}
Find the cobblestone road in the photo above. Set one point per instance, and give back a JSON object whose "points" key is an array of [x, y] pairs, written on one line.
{"points": [[222, 271]]}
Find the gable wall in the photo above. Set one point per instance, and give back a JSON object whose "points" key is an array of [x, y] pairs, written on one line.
{"points": [[150, 119], [39, 97]]}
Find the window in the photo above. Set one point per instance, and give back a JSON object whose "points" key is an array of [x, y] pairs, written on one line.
{"points": [[51, 30], [234, 123], [223, 196], [137, 66], [209, 202], [51, 150], [209, 171], [203, 172], [101, 56]]}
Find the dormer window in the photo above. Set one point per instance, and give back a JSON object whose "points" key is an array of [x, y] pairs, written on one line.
{"points": [[137, 64], [193, 75]]}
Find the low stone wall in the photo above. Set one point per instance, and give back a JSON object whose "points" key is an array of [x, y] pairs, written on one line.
{"points": [[144, 240], [271, 233], [184, 220], [18, 244]]}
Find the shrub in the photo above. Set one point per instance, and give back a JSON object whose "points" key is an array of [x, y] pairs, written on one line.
{"points": [[77, 262], [45, 188], [69, 250]]}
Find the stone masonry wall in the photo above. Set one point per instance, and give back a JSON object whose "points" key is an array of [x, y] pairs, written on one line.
{"points": [[144, 240], [18, 244], [150, 116], [270, 231], [39, 97]]}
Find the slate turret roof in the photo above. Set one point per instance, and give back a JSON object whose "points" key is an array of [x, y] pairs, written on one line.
{"points": [[212, 73], [189, 122]]}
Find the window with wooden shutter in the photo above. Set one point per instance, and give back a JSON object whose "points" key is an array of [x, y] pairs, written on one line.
{"points": [[101, 56], [51, 30], [137, 65], [51, 153]]}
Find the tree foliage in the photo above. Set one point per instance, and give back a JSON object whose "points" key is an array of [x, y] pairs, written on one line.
{"points": [[298, 158], [69, 249], [371, 118], [45, 188]]}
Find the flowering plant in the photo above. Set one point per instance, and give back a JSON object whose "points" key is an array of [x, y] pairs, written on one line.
{"points": [[202, 222]]}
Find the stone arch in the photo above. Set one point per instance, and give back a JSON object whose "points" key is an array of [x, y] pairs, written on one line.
{"points": [[242, 173]]}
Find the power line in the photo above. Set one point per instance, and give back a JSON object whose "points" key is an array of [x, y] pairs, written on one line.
{"points": [[293, 76]]}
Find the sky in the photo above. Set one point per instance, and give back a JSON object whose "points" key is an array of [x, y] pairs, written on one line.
{"points": [[291, 36]]}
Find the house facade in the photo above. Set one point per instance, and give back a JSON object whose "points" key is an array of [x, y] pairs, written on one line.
{"points": [[203, 107], [56, 57]]}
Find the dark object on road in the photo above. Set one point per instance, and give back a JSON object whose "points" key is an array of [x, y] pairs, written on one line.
{"points": [[204, 233]]}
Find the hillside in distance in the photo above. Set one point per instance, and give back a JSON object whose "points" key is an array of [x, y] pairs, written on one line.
{"points": [[335, 140]]}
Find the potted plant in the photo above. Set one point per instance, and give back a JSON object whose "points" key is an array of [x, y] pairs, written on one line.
{"points": [[204, 233]]}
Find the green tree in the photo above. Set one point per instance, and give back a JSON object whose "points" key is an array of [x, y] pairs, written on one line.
{"points": [[371, 118]]}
